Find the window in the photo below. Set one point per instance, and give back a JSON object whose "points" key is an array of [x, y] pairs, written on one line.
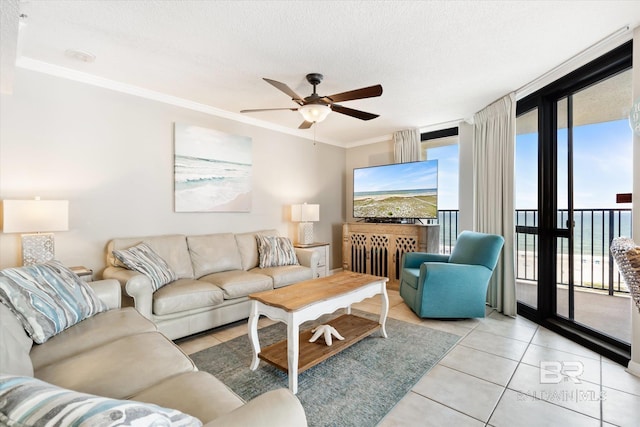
{"points": [[443, 146]]}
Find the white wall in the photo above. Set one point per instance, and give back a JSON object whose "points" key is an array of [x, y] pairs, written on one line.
{"points": [[111, 155]]}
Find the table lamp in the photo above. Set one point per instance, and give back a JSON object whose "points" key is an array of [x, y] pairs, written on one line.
{"points": [[36, 218], [305, 214]]}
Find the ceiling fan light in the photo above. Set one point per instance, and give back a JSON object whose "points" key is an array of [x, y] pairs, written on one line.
{"points": [[314, 113]]}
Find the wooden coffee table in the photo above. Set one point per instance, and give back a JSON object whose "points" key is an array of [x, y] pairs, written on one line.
{"points": [[309, 300]]}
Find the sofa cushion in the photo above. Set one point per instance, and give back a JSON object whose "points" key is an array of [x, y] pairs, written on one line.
{"points": [[30, 402], [213, 253], [275, 251], [239, 283], [143, 259], [249, 248], [286, 274], [14, 345], [47, 298], [196, 393], [93, 332], [186, 294], [171, 248], [120, 368]]}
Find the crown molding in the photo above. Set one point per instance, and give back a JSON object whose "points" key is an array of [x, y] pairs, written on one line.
{"points": [[90, 79], [610, 42], [374, 140]]}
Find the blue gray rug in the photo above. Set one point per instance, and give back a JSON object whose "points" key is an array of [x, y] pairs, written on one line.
{"points": [[356, 387]]}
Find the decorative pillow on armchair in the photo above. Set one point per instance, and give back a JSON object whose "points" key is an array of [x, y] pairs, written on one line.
{"points": [[47, 298], [627, 257], [275, 251], [143, 259], [31, 402]]}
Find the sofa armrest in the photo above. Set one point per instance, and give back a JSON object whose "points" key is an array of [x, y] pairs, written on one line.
{"points": [[108, 291], [274, 408], [136, 285], [308, 258]]}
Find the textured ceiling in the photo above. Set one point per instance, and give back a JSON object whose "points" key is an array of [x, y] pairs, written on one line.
{"points": [[436, 60]]}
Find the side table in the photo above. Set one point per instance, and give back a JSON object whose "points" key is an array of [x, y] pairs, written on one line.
{"points": [[323, 250], [85, 273]]}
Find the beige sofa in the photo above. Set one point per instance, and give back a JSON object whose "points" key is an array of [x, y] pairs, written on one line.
{"points": [[215, 274], [119, 354]]}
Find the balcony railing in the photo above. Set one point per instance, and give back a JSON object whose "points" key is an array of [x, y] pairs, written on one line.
{"points": [[594, 229], [448, 220]]}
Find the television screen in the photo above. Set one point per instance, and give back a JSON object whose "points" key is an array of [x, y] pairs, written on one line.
{"points": [[396, 191]]}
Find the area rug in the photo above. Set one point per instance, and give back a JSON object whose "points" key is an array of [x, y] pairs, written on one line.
{"points": [[356, 387]]}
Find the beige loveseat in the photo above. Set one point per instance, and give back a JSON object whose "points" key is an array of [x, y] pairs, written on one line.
{"points": [[215, 273], [119, 354]]}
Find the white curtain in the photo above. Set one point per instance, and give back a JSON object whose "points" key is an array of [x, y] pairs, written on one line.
{"points": [[406, 147], [493, 163]]}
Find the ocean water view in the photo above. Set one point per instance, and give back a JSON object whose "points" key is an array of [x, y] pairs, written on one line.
{"points": [[593, 228], [205, 184]]}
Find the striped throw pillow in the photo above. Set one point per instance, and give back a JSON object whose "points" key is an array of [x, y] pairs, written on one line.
{"points": [[31, 402], [47, 298], [275, 251], [143, 259]]}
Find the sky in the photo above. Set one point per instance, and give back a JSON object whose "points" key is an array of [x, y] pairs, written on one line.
{"points": [[448, 165], [204, 143], [603, 166], [397, 176]]}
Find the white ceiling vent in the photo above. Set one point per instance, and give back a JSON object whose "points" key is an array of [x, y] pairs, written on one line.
{"points": [[80, 55]]}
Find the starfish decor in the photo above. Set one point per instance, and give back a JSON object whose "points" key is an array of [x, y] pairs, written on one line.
{"points": [[327, 331]]}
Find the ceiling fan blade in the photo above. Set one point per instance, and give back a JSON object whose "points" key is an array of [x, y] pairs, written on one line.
{"points": [[365, 92], [286, 89], [362, 115], [305, 125], [267, 109]]}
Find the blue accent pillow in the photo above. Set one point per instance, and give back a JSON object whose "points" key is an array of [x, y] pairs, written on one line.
{"points": [[47, 298], [143, 259], [31, 402]]}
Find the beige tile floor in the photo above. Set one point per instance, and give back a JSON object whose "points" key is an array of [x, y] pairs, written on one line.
{"points": [[493, 376]]}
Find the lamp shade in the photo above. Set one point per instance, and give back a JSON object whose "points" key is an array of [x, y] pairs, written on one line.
{"points": [[314, 112], [33, 216], [305, 213]]}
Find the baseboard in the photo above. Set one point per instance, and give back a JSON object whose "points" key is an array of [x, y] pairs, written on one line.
{"points": [[634, 368]]}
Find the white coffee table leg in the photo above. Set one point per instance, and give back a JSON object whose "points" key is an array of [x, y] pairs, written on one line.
{"points": [[253, 335], [384, 310], [293, 351]]}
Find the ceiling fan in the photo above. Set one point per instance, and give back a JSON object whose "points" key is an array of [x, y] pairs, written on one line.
{"points": [[315, 108]]}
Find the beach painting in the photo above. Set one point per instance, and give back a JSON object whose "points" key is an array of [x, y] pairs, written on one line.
{"points": [[212, 170]]}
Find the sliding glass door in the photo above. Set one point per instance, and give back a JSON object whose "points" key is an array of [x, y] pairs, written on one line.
{"points": [[594, 166], [578, 128]]}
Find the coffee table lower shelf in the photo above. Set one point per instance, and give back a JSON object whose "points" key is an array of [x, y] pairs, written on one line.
{"points": [[352, 328]]}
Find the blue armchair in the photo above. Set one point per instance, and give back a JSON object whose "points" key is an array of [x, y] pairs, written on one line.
{"points": [[451, 286]]}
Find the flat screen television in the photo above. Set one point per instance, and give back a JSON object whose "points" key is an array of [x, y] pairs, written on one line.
{"points": [[396, 192]]}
